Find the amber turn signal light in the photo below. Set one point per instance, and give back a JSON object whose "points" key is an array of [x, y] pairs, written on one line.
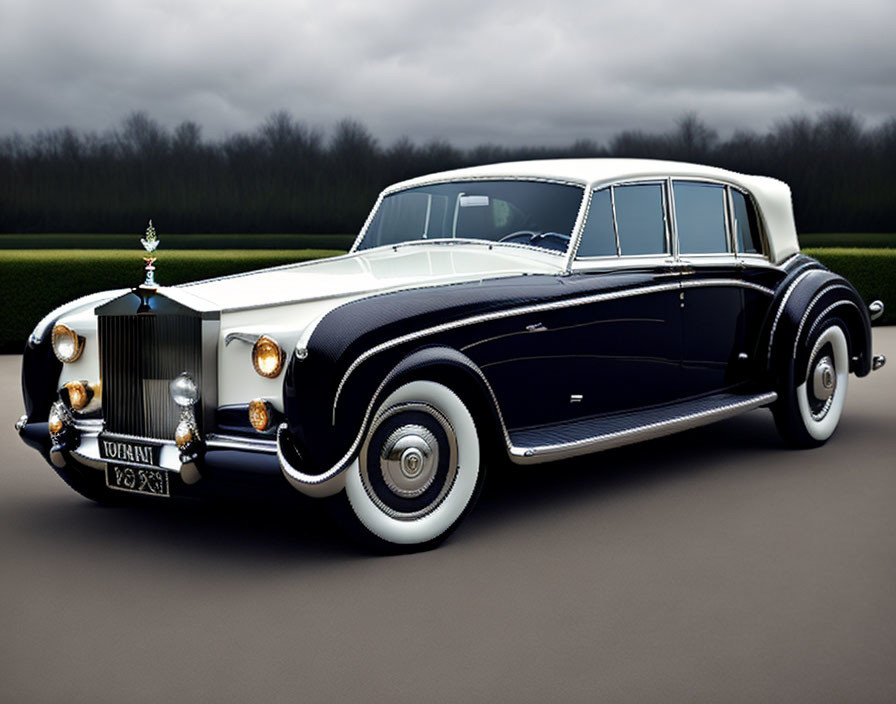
{"points": [[261, 415]]}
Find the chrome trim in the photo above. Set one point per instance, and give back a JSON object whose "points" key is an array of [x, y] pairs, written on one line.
{"points": [[827, 310], [877, 362], [534, 308], [234, 442], [242, 337], [822, 292], [780, 311], [545, 453], [875, 309], [21, 423], [88, 425], [138, 438]]}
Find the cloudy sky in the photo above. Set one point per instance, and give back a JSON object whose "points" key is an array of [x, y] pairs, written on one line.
{"points": [[469, 71]]}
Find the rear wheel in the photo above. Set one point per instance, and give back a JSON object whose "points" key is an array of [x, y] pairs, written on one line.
{"points": [[809, 407], [418, 472]]}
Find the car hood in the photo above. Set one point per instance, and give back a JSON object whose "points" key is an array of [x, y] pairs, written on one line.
{"points": [[364, 273]]}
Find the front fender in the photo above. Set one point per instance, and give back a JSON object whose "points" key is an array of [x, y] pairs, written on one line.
{"points": [[437, 363]]}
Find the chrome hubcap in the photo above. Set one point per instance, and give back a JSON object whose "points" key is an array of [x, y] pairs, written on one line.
{"points": [[409, 459], [409, 471], [824, 379]]}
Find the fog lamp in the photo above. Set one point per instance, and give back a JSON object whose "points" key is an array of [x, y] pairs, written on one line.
{"points": [[79, 394], [183, 434], [67, 344], [183, 390], [267, 357], [260, 414], [56, 419]]}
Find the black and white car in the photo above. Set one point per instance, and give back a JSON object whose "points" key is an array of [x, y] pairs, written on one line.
{"points": [[530, 311]]}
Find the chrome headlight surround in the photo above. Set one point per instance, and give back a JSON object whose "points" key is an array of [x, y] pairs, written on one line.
{"points": [[267, 357], [67, 344]]}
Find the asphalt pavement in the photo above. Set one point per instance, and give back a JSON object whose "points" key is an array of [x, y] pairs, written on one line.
{"points": [[711, 566]]}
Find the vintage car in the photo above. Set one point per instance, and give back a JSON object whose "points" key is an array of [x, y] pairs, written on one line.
{"points": [[527, 311]]}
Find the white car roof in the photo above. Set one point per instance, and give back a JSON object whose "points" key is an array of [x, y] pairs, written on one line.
{"points": [[771, 196]]}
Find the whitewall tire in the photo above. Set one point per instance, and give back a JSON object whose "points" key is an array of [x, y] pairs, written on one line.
{"points": [[418, 471], [809, 410]]}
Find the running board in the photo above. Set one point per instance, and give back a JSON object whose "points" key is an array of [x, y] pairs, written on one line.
{"points": [[573, 438]]}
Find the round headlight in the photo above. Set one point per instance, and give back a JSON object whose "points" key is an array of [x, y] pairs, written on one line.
{"points": [[260, 414], [66, 344], [267, 357], [184, 390]]}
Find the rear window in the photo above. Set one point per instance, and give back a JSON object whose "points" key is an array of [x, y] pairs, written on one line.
{"points": [[700, 213]]}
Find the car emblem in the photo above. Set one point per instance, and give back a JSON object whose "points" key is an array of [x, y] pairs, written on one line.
{"points": [[150, 242]]}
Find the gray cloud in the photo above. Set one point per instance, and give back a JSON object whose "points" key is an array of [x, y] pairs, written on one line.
{"points": [[506, 71]]}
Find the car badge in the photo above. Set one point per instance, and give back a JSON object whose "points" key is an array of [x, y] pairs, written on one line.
{"points": [[150, 242]]}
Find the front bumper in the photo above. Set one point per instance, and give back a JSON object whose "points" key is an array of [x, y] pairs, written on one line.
{"points": [[234, 460]]}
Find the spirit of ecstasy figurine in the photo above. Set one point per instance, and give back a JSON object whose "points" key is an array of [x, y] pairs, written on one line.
{"points": [[150, 242]]}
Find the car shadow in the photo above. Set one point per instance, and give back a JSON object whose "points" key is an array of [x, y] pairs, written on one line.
{"points": [[292, 528]]}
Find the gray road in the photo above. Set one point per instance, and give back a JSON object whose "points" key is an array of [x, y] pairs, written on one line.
{"points": [[713, 566]]}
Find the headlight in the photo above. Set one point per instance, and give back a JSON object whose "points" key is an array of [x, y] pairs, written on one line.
{"points": [[267, 357], [67, 345], [260, 414]]}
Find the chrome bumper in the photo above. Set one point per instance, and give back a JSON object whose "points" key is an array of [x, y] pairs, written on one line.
{"points": [[80, 441]]}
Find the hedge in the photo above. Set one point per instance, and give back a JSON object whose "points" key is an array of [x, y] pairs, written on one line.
{"points": [[33, 282], [197, 241], [871, 271]]}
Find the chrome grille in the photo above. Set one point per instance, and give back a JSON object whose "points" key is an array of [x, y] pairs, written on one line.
{"points": [[139, 355]]}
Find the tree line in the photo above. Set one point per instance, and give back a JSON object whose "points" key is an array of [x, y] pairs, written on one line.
{"points": [[287, 177]]}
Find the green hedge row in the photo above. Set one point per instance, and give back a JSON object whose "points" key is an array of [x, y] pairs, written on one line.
{"points": [[871, 271], [873, 240], [33, 282], [41, 240]]}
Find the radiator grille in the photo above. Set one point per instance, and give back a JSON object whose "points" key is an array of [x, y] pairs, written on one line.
{"points": [[139, 355]]}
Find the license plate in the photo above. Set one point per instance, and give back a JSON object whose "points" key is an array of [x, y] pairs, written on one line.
{"points": [[138, 480], [129, 451]]}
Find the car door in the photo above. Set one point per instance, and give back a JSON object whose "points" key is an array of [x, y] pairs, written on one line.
{"points": [[713, 349], [628, 344]]}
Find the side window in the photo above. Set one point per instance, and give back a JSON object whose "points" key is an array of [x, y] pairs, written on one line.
{"points": [[700, 214], [639, 218], [599, 235], [746, 225]]}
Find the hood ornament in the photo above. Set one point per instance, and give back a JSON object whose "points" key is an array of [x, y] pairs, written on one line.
{"points": [[150, 242]]}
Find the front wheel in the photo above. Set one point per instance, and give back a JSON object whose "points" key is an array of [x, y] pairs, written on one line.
{"points": [[418, 472], [809, 407]]}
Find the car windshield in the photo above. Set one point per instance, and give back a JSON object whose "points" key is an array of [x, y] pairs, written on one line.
{"points": [[535, 213]]}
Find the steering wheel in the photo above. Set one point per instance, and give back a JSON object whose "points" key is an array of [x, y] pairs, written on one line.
{"points": [[519, 233]]}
